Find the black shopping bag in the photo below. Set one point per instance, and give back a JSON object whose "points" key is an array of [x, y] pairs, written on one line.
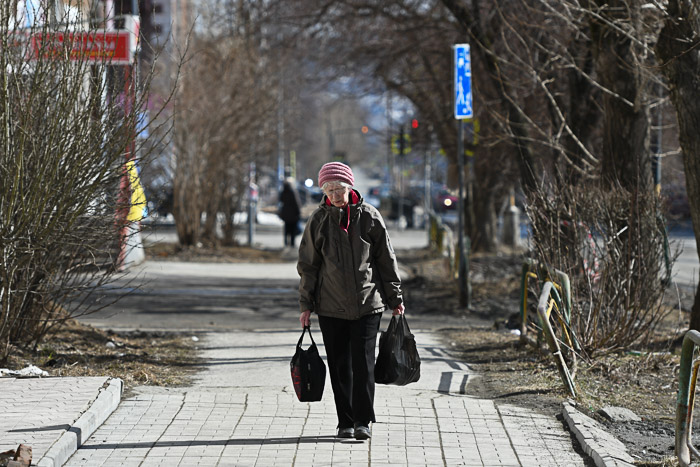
{"points": [[398, 362], [308, 371]]}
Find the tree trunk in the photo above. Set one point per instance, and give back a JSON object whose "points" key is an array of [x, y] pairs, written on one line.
{"points": [[486, 235], [626, 158], [187, 192], [211, 210], [581, 101], [677, 49]]}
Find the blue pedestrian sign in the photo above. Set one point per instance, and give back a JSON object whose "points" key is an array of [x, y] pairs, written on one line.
{"points": [[463, 82]]}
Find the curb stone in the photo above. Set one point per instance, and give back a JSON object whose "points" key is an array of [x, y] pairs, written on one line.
{"points": [[604, 448], [102, 407]]}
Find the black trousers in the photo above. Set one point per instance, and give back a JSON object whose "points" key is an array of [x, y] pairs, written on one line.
{"points": [[290, 233], [350, 351]]}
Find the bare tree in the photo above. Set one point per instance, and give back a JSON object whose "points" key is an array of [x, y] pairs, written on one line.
{"points": [[677, 49], [65, 134], [223, 110]]}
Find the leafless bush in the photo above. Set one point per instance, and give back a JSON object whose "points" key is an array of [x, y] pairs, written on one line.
{"points": [[224, 111], [613, 245], [66, 125]]}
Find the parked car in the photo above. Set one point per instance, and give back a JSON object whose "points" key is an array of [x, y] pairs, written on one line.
{"points": [[444, 200]]}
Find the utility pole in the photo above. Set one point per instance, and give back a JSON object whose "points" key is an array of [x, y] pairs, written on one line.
{"points": [[427, 187], [131, 251]]}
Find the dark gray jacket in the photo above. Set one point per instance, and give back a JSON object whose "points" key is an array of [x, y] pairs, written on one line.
{"points": [[347, 274]]}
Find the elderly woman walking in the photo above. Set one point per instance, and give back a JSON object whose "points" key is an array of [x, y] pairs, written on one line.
{"points": [[349, 276]]}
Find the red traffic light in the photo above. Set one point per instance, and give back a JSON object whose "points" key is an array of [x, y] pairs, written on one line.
{"points": [[414, 123], [365, 129]]}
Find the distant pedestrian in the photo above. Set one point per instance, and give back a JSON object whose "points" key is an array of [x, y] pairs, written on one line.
{"points": [[349, 275], [290, 211]]}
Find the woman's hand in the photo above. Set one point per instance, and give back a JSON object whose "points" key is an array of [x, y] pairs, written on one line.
{"points": [[399, 310], [305, 318]]}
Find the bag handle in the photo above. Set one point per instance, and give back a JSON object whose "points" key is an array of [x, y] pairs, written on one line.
{"points": [[404, 323], [301, 339]]}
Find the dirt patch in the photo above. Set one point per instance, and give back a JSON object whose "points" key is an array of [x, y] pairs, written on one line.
{"points": [[138, 358], [209, 254]]}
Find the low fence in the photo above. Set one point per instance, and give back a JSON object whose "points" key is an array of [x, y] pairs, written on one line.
{"points": [[687, 382], [553, 295]]}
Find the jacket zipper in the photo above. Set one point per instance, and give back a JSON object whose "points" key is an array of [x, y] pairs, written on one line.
{"points": [[352, 271]]}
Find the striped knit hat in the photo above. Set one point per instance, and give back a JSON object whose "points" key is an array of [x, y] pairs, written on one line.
{"points": [[335, 172]]}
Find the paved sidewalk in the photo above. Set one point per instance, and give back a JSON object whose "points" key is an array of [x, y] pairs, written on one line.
{"points": [[54, 415], [242, 411]]}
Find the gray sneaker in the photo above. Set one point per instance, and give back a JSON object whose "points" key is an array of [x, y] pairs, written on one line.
{"points": [[345, 432], [363, 432]]}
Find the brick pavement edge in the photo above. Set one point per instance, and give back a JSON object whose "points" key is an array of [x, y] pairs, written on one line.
{"points": [[603, 447], [106, 402]]}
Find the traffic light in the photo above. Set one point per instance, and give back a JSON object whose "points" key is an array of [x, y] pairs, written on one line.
{"points": [[365, 129], [419, 134]]}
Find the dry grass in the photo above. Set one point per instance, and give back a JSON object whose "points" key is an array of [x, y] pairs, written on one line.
{"points": [[219, 254], [138, 358], [646, 383]]}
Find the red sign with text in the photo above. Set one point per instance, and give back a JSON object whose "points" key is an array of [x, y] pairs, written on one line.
{"points": [[113, 47]]}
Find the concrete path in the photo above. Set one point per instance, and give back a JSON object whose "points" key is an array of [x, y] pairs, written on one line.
{"points": [[242, 411]]}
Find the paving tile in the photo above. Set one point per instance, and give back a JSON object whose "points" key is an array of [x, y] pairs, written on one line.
{"points": [[231, 424]]}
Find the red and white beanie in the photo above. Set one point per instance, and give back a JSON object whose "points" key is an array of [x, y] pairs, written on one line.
{"points": [[335, 172]]}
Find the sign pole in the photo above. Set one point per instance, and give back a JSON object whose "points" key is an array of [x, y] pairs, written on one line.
{"points": [[462, 110], [252, 199], [462, 271]]}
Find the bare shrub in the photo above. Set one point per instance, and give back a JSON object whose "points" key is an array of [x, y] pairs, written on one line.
{"points": [[613, 245], [67, 126]]}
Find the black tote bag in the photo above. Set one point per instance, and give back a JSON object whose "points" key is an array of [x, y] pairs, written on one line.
{"points": [[308, 371], [398, 362]]}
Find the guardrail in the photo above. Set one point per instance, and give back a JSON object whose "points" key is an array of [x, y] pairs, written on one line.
{"points": [[534, 270], [550, 298], [441, 240], [686, 399]]}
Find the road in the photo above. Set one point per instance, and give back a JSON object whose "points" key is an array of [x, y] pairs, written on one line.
{"points": [[686, 269]]}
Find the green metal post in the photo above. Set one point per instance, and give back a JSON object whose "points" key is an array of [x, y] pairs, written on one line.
{"points": [[683, 424]]}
